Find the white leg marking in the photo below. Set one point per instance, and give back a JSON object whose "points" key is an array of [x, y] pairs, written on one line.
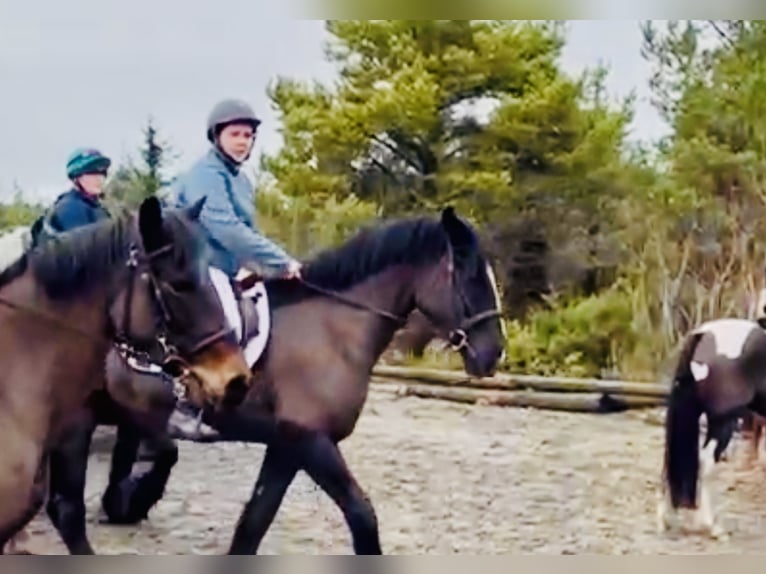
{"points": [[707, 458], [705, 515]]}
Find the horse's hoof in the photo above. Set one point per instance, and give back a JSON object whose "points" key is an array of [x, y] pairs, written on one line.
{"points": [[117, 503]]}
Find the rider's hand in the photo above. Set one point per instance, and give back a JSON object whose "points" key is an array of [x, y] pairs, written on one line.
{"points": [[293, 270]]}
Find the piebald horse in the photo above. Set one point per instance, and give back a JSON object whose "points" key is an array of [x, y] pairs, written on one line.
{"points": [[721, 373]]}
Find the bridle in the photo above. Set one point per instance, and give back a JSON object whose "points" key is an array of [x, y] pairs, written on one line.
{"points": [[458, 338], [139, 263]]}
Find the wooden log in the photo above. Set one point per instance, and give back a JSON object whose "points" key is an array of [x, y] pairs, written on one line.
{"points": [[571, 402], [503, 381]]}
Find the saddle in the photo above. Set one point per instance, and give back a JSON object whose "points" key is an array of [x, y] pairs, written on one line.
{"points": [[247, 306]]}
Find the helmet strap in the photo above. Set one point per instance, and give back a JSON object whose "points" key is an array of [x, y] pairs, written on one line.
{"points": [[78, 187]]}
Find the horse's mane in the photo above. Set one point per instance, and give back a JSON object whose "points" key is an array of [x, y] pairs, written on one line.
{"points": [[85, 256], [413, 241]]}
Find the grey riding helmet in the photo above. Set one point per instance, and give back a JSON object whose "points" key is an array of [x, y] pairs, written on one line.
{"points": [[227, 112]]}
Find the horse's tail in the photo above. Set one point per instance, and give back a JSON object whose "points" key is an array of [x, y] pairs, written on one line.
{"points": [[682, 431]]}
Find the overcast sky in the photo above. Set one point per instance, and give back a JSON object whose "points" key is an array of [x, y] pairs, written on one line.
{"points": [[84, 72]]}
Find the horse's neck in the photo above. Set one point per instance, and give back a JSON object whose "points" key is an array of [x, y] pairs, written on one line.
{"points": [[82, 312], [389, 293]]}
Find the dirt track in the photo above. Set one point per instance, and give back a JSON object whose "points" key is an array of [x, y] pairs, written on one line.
{"points": [[447, 478]]}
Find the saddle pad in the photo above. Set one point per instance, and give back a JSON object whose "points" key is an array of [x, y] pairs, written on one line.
{"points": [[255, 345]]}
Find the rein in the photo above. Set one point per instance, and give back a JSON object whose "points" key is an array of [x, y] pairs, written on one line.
{"points": [[457, 338], [353, 303]]}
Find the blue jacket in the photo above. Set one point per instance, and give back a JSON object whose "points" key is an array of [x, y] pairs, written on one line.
{"points": [[228, 216], [71, 209], [75, 209]]}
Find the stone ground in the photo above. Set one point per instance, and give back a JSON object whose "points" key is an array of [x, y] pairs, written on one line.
{"points": [[447, 478]]}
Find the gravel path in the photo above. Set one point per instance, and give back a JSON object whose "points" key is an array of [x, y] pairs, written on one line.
{"points": [[447, 478]]}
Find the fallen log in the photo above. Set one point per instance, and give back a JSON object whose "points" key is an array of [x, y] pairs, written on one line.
{"points": [[503, 381], [571, 402]]}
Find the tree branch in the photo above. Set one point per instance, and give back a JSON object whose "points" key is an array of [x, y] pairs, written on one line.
{"points": [[720, 32], [396, 151]]}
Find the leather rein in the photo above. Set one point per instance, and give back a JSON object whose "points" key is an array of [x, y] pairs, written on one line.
{"points": [[457, 338]]}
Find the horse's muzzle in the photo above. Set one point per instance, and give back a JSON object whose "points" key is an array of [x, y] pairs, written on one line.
{"points": [[217, 375]]}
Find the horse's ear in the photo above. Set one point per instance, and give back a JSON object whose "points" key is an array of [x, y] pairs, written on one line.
{"points": [[448, 213], [459, 232], [193, 211], [150, 223]]}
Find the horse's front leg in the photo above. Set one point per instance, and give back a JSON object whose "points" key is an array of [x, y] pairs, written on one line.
{"points": [[116, 501], [719, 434], [276, 474], [324, 463], [147, 488], [66, 502]]}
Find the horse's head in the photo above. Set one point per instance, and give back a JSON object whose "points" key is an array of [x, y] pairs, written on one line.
{"points": [[168, 297], [460, 297]]}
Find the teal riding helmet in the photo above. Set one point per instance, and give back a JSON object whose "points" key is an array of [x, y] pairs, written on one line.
{"points": [[87, 160]]}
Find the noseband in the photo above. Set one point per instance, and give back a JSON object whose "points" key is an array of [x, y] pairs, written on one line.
{"points": [[458, 338]]}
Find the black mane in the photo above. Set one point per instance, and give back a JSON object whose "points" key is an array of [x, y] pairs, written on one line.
{"points": [[415, 241]]}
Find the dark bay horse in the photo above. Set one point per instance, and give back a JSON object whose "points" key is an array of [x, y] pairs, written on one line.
{"points": [[327, 334], [311, 382], [721, 373], [137, 281]]}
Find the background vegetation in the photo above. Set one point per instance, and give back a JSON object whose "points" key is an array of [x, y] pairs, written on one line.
{"points": [[607, 252]]}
